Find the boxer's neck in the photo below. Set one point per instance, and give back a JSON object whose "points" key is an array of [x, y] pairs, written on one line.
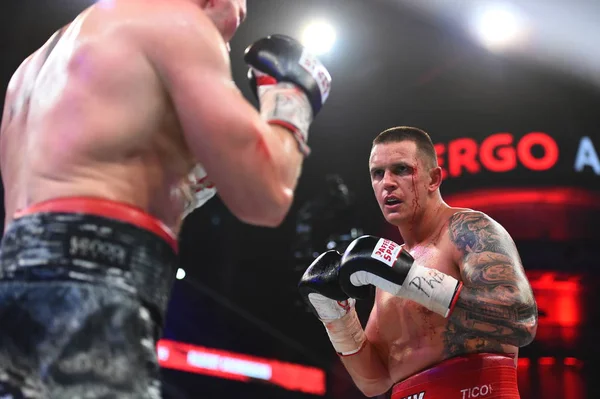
{"points": [[424, 225]]}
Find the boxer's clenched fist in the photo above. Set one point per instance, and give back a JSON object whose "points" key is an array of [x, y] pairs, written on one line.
{"points": [[320, 289], [291, 84]]}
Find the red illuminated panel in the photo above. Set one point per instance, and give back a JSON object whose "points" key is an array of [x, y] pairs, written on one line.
{"points": [[525, 212], [560, 382], [557, 379], [525, 362], [560, 298], [513, 196], [571, 361], [524, 379], [574, 385], [546, 361], [234, 366]]}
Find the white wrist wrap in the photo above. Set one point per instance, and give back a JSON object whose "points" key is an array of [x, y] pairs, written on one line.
{"points": [[431, 288], [346, 334], [195, 189], [329, 309], [287, 105]]}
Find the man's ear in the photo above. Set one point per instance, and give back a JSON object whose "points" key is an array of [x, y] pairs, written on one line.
{"points": [[435, 178]]}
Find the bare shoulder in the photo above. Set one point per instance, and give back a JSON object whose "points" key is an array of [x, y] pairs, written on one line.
{"points": [[178, 32], [17, 75], [175, 18], [472, 231]]}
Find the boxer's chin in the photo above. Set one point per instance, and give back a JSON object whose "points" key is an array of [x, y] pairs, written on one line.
{"points": [[396, 217]]}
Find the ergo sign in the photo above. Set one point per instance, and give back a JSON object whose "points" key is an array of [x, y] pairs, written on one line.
{"points": [[501, 152]]}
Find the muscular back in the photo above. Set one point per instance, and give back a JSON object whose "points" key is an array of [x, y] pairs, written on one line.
{"points": [[87, 115]]}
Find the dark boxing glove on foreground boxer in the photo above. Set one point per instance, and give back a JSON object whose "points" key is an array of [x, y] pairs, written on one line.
{"points": [[291, 84], [370, 260], [320, 289]]}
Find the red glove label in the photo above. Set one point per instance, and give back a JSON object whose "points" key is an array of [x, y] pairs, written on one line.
{"points": [[386, 251], [312, 64]]}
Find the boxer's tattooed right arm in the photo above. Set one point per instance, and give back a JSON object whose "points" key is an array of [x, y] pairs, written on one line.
{"points": [[496, 305]]}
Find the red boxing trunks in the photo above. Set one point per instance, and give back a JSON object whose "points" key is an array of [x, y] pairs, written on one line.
{"points": [[476, 376], [84, 284]]}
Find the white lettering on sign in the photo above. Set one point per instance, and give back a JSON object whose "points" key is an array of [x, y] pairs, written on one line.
{"points": [[587, 156]]}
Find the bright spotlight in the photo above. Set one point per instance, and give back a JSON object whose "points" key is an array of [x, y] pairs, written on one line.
{"points": [[498, 26], [318, 37], [180, 274]]}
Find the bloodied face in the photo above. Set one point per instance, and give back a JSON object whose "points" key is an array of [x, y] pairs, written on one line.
{"points": [[401, 179]]}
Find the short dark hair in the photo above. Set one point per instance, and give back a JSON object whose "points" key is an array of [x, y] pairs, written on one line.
{"points": [[407, 133]]}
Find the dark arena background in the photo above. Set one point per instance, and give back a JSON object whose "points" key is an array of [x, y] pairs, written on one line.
{"points": [[516, 122]]}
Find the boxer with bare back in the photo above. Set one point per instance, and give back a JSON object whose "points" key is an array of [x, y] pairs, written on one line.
{"points": [[125, 121], [452, 304]]}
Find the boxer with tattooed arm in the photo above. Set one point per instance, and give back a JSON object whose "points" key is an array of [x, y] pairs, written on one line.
{"points": [[452, 304]]}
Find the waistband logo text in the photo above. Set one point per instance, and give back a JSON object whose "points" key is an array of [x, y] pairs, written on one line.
{"points": [[477, 392], [97, 249], [419, 395]]}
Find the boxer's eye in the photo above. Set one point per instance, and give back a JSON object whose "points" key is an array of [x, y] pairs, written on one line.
{"points": [[376, 173], [402, 170]]}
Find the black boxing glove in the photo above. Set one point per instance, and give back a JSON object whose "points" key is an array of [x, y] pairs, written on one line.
{"points": [[291, 84], [376, 261], [320, 289]]}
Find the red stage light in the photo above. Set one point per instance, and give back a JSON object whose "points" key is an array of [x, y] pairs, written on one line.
{"points": [[571, 361], [547, 361]]}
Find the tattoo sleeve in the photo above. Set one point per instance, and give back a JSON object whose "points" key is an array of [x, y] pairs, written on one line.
{"points": [[496, 305]]}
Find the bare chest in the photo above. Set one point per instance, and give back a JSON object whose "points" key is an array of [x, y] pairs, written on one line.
{"points": [[402, 329], [436, 256]]}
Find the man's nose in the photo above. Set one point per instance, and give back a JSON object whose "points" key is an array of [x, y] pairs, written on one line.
{"points": [[388, 181]]}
